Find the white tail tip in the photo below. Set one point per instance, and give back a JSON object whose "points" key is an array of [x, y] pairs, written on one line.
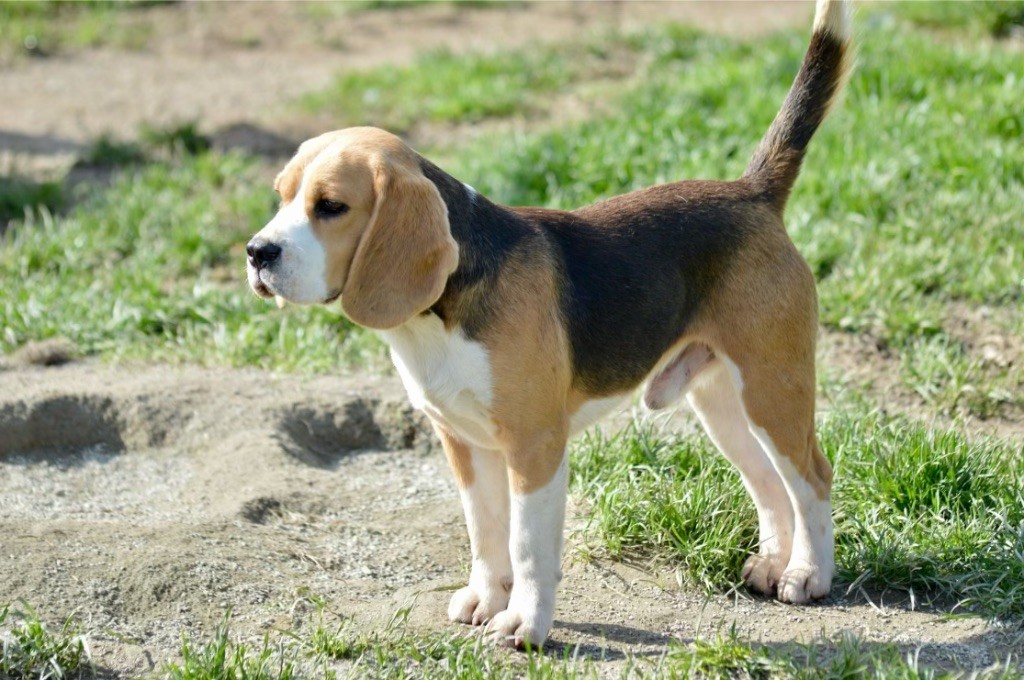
{"points": [[833, 17]]}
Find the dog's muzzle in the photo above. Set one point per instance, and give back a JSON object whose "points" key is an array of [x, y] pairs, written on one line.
{"points": [[262, 254]]}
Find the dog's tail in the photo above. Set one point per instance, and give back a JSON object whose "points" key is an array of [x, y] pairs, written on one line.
{"points": [[825, 69]]}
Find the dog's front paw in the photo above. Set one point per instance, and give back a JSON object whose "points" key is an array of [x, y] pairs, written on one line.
{"points": [[477, 605], [761, 572], [520, 626], [803, 582]]}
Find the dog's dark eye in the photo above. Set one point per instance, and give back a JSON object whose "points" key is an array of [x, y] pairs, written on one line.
{"points": [[326, 208]]}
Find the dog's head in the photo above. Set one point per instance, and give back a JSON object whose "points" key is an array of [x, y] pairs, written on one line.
{"points": [[358, 220]]}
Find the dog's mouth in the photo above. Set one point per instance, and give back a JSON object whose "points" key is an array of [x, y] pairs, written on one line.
{"points": [[264, 291], [267, 290], [256, 283], [261, 289]]}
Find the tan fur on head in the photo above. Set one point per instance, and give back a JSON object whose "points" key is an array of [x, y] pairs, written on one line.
{"points": [[390, 254], [406, 253]]}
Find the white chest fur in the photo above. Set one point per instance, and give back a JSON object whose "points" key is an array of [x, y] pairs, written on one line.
{"points": [[446, 375]]}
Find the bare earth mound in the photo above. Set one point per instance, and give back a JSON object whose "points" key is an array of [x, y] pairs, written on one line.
{"points": [[151, 501]]}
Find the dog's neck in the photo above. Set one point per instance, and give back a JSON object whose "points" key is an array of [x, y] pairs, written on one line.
{"points": [[486, 233]]}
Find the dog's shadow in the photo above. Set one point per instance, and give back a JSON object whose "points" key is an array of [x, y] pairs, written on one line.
{"points": [[609, 633]]}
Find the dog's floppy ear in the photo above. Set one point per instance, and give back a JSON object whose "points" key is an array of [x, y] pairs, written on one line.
{"points": [[405, 255]]}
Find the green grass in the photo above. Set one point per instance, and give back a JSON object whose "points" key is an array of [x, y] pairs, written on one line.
{"points": [[916, 509], [222, 658], [28, 649], [343, 651], [929, 511], [20, 197], [839, 658], [950, 377], [986, 17], [153, 268], [653, 495], [107, 152], [178, 139], [396, 651], [53, 26], [445, 87]]}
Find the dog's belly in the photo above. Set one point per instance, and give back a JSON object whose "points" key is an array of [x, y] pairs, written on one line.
{"points": [[447, 376], [594, 410]]}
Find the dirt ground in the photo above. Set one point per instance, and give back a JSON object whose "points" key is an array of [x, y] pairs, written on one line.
{"points": [[152, 500], [148, 500]]}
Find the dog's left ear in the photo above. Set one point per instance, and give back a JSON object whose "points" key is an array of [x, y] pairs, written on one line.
{"points": [[405, 255]]}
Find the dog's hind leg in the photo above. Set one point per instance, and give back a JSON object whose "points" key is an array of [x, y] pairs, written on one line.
{"points": [[714, 397], [778, 402]]}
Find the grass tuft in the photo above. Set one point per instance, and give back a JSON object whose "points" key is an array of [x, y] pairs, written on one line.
{"points": [[837, 658], [659, 495], [724, 657], [446, 87], [222, 658], [107, 152], [22, 199], [183, 139], [393, 651], [929, 511], [28, 649]]}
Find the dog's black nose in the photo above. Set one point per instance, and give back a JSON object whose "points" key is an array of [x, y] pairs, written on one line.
{"points": [[262, 253]]}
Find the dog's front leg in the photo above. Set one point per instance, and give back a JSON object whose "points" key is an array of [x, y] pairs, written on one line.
{"points": [[483, 485], [538, 518]]}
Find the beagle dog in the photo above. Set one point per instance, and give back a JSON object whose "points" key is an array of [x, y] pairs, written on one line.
{"points": [[514, 328]]}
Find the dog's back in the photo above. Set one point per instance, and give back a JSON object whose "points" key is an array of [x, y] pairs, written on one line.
{"points": [[640, 268]]}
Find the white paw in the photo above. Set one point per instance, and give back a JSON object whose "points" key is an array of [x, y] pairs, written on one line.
{"points": [[803, 582], [477, 605], [519, 627], [762, 572]]}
